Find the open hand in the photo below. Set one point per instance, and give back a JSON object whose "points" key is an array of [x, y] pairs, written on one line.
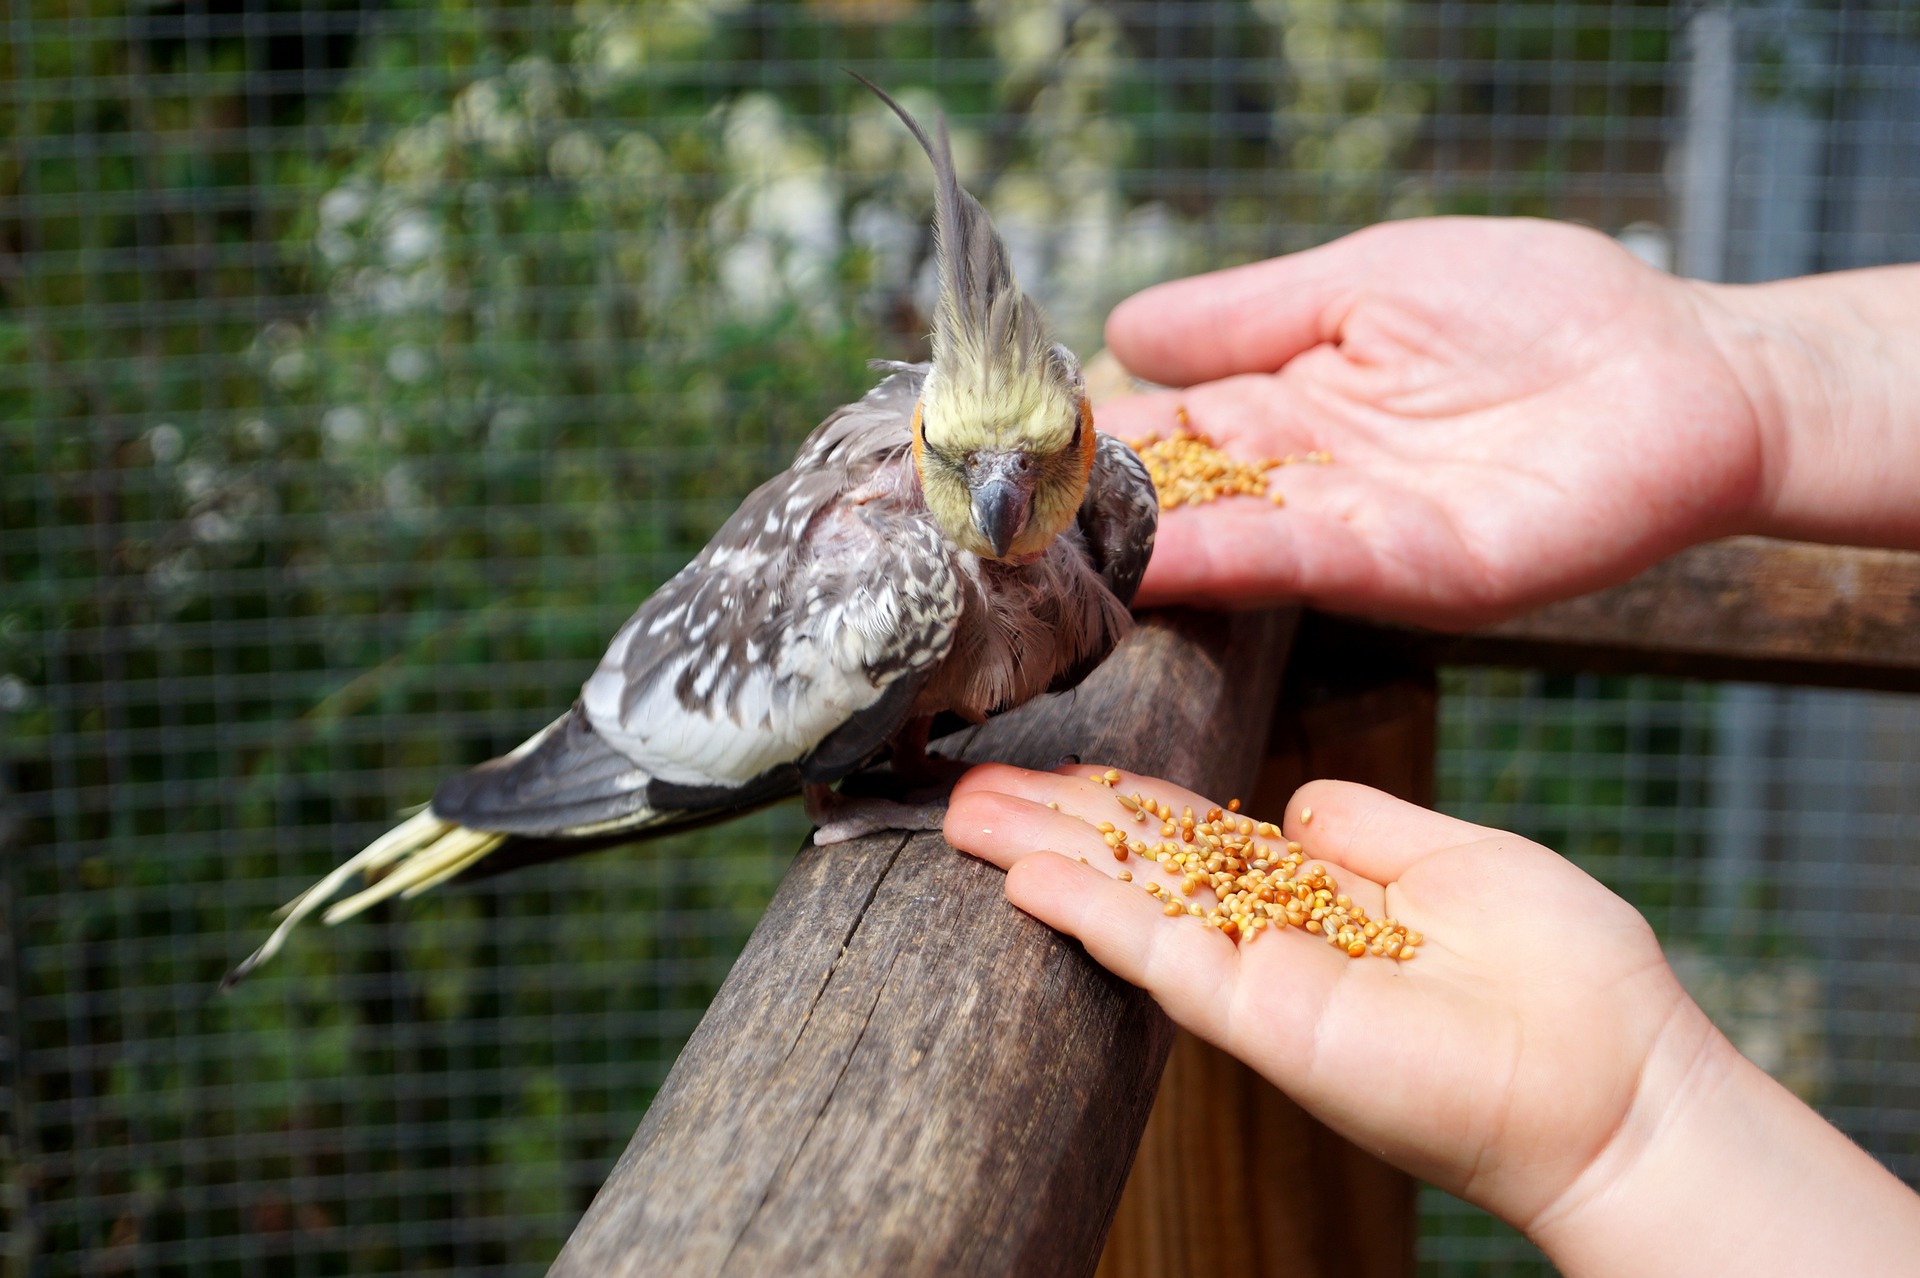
{"points": [[1516, 1061], [1517, 411]]}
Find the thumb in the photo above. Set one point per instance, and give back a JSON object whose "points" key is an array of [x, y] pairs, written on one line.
{"points": [[1248, 319]]}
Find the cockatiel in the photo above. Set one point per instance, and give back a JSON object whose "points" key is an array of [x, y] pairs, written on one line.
{"points": [[961, 540]]}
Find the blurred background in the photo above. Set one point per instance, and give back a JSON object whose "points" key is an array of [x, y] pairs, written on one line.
{"points": [[363, 365]]}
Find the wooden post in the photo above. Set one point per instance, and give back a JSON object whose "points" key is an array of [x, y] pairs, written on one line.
{"points": [[903, 1075], [1232, 1178]]}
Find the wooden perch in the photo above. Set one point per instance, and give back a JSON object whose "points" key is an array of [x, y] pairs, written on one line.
{"points": [[1748, 608], [904, 1075]]}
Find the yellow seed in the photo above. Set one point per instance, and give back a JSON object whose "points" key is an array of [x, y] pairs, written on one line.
{"points": [[1111, 777], [1113, 839], [1105, 827], [1054, 806], [1187, 469], [1172, 908], [1293, 848], [1306, 816], [1126, 876], [1355, 950]]}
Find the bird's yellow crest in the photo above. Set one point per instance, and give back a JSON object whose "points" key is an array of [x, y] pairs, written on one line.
{"points": [[1002, 436]]}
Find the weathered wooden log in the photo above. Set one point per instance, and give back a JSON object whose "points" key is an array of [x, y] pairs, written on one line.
{"points": [[904, 1075], [1748, 608]]}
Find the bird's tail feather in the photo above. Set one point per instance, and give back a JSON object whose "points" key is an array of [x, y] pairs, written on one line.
{"points": [[424, 850]]}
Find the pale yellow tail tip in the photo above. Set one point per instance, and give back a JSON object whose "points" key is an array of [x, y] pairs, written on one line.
{"points": [[418, 831], [449, 871], [432, 864]]}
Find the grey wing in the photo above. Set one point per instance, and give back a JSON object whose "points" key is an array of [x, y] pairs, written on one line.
{"points": [[1119, 516], [789, 649], [564, 779], [869, 431], [785, 644]]}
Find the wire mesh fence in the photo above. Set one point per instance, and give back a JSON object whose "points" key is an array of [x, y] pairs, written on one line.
{"points": [[361, 367]]}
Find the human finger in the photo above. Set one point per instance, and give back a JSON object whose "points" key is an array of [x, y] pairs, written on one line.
{"points": [[1245, 319], [1190, 970], [1151, 808], [1242, 552], [1369, 831]]}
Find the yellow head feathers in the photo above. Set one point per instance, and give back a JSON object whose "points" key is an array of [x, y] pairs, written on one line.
{"points": [[1002, 437]]}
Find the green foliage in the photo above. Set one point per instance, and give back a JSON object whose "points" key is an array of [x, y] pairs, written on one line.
{"points": [[359, 370]]}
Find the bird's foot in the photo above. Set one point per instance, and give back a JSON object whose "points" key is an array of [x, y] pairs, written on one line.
{"points": [[840, 818]]}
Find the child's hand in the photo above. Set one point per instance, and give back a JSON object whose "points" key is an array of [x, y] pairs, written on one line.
{"points": [[1532, 1042], [1536, 1056]]}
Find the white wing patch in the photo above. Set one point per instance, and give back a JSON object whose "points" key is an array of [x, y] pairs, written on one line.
{"points": [[770, 641]]}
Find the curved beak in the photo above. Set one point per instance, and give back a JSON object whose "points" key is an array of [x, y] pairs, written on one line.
{"points": [[1002, 486]]}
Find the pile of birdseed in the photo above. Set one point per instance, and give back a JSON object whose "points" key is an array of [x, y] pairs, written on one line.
{"points": [[1188, 470], [1261, 879]]}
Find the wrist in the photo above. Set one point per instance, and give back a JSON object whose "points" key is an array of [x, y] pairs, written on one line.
{"points": [[1774, 368], [1719, 1168], [1688, 1074], [1827, 367]]}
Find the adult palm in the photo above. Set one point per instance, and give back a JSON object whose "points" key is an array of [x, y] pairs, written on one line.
{"points": [[1516, 411]]}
